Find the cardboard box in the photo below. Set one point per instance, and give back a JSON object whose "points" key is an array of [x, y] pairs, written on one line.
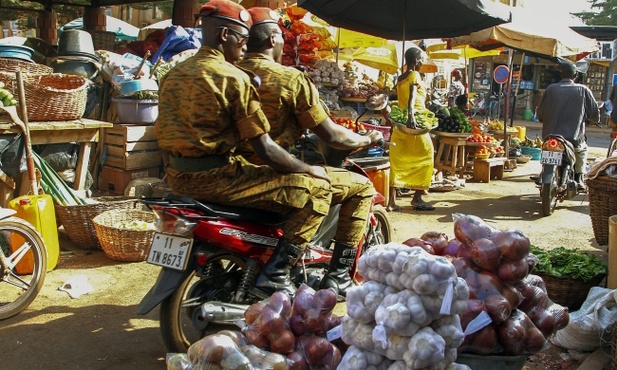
{"points": [[116, 180], [131, 147]]}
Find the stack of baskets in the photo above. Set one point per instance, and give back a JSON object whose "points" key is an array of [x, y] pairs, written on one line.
{"points": [[119, 242], [77, 220], [602, 205]]}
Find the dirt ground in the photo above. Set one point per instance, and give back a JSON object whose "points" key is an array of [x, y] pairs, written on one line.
{"points": [[101, 330]]}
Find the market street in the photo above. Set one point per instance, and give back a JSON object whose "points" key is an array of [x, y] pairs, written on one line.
{"points": [[100, 330]]}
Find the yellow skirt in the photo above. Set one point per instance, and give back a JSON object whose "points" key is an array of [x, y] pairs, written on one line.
{"points": [[411, 161]]}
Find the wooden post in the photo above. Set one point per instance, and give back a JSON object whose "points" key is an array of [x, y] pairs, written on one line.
{"points": [[94, 18], [184, 13], [46, 27]]}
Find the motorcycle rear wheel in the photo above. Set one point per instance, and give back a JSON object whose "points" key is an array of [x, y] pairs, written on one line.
{"points": [[549, 194], [17, 291], [180, 309], [383, 230]]}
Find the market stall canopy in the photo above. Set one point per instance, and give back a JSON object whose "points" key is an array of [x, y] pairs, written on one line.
{"points": [[123, 30], [461, 53], [382, 58], [145, 31], [530, 32], [410, 19]]}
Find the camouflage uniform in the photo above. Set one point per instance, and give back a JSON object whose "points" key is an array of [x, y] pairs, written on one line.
{"points": [[207, 106], [291, 103]]}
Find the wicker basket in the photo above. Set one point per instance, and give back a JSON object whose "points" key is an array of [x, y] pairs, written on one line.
{"points": [[602, 205], [77, 220], [8, 67], [103, 40], [568, 292], [123, 244], [55, 97]]}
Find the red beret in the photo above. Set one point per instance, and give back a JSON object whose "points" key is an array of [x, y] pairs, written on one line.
{"points": [[228, 10], [262, 15]]}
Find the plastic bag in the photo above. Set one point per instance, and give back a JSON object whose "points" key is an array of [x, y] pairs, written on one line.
{"points": [[217, 351], [314, 352], [178, 39], [311, 311], [264, 360], [13, 154], [591, 326], [267, 326]]}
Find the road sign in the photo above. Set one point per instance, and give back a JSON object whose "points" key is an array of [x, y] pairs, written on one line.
{"points": [[501, 74]]}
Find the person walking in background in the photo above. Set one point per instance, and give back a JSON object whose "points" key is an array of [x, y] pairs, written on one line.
{"points": [[564, 108], [411, 156], [456, 88]]}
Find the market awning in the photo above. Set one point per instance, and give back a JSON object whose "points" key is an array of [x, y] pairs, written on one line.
{"points": [[530, 32], [461, 53], [408, 20], [122, 29], [382, 58]]}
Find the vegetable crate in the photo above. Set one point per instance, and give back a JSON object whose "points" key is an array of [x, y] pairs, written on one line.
{"points": [[130, 147], [116, 180]]}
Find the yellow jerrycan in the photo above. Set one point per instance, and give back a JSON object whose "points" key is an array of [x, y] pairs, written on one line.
{"points": [[39, 211]]}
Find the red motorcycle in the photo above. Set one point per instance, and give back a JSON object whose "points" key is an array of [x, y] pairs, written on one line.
{"points": [[210, 255]]}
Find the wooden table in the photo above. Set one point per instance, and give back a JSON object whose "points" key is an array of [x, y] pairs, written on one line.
{"points": [[83, 131], [451, 154]]}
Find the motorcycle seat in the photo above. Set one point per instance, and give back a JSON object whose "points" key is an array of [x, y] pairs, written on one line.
{"points": [[228, 212]]}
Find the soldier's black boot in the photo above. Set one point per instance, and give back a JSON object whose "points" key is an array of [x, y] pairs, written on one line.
{"points": [[274, 276], [338, 277], [580, 182]]}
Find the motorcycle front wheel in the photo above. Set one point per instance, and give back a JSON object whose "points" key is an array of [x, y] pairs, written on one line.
{"points": [[21, 245], [549, 194], [182, 323]]}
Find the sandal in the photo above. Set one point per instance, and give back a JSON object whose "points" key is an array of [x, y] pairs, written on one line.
{"points": [[394, 209], [423, 207]]}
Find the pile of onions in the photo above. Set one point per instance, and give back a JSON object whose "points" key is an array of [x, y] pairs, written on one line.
{"points": [[496, 265]]}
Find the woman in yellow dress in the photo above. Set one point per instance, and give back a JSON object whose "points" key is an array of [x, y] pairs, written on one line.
{"points": [[411, 158]]}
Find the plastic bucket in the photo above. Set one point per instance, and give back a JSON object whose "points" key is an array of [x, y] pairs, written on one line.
{"points": [[136, 111]]}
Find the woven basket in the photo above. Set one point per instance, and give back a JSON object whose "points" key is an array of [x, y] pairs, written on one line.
{"points": [[8, 67], [123, 244], [55, 97], [568, 292], [103, 40], [77, 220], [602, 205]]}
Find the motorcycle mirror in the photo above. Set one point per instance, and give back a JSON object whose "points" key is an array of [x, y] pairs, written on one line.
{"points": [[376, 102]]}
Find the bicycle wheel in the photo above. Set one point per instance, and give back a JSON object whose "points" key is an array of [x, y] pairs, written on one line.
{"points": [[22, 248]]}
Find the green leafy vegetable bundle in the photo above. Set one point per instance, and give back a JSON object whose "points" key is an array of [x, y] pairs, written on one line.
{"points": [[425, 119], [568, 263]]}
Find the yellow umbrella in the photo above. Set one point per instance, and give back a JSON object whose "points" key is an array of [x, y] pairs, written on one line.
{"points": [[462, 52], [352, 39], [382, 58], [428, 66]]}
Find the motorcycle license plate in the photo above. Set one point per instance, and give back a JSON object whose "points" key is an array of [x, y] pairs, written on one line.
{"points": [[551, 157], [170, 251]]}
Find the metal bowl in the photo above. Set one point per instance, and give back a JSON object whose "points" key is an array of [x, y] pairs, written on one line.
{"points": [[76, 42], [16, 52], [78, 67]]}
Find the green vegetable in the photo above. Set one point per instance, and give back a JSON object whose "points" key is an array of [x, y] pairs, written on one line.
{"points": [[568, 263], [425, 118]]}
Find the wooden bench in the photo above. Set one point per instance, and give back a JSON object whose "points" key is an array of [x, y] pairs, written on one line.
{"points": [[451, 155], [484, 170]]}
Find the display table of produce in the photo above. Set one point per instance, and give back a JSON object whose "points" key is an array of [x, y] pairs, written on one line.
{"points": [[83, 131]]}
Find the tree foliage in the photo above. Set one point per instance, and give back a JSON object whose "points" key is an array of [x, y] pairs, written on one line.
{"points": [[602, 13], [27, 18]]}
